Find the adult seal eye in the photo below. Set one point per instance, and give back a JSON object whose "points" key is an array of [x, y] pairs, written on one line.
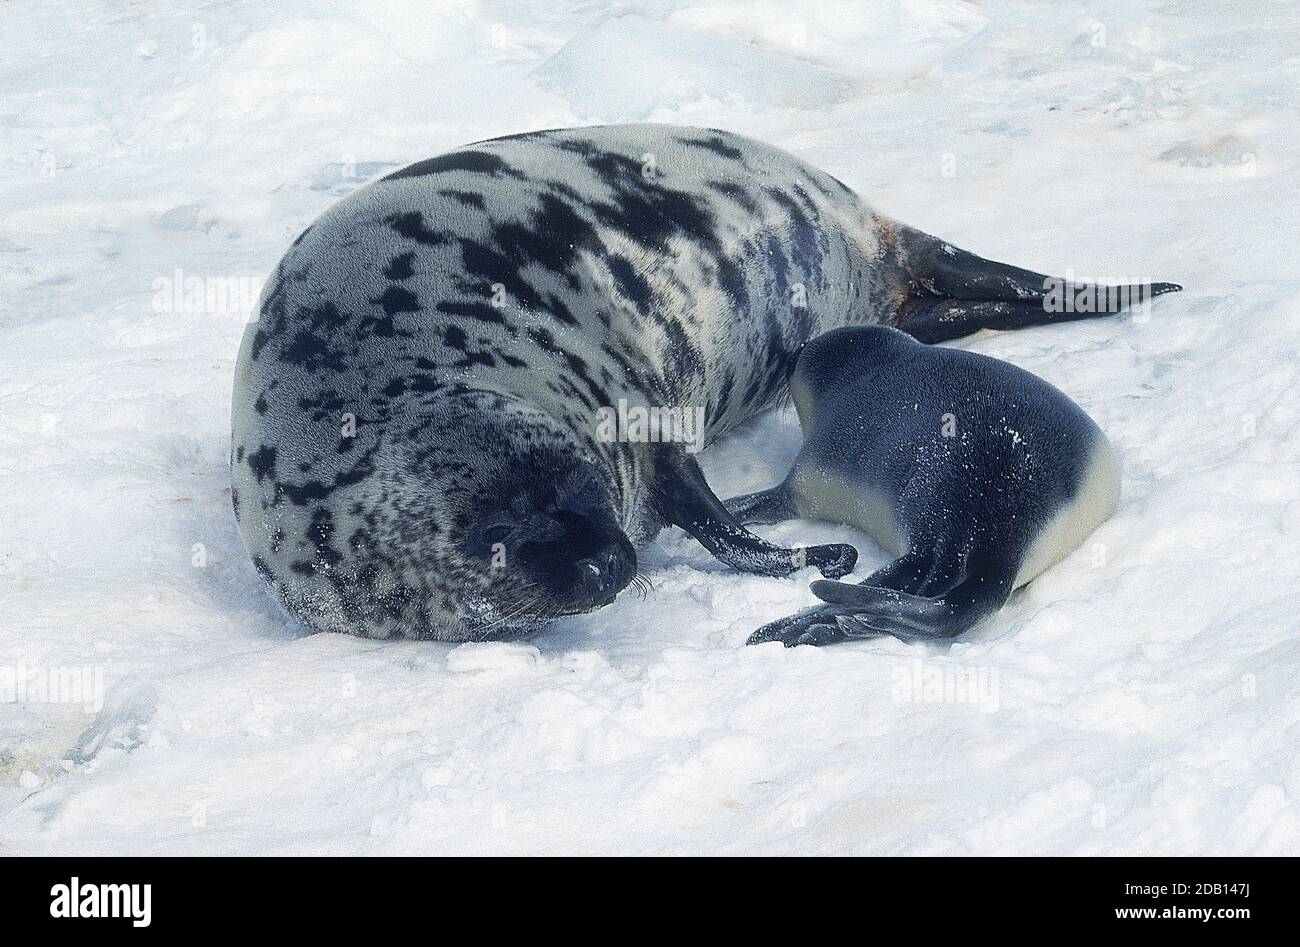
{"points": [[497, 533], [584, 496]]}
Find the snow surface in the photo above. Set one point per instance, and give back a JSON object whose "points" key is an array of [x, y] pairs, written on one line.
{"points": [[1140, 697]]}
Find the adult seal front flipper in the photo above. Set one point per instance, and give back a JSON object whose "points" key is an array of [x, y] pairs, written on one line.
{"points": [[685, 499]]}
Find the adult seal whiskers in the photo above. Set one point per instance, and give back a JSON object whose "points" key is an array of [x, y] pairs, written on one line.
{"points": [[415, 448]]}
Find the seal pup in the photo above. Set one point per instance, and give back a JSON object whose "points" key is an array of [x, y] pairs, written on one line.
{"points": [[975, 474], [416, 446]]}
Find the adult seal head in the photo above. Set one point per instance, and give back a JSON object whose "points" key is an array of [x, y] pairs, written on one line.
{"points": [[976, 475], [418, 443]]}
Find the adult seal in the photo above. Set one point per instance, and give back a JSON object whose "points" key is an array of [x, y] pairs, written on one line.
{"points": [[418, 445], [975, 474]]}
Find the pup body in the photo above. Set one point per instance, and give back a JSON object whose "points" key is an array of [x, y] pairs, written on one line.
{"points": [[975, 474]]}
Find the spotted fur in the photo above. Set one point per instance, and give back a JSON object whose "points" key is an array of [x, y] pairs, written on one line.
{"points": [[441, 340]]}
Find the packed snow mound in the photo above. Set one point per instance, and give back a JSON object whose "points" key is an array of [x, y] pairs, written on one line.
{"points": [[878, 40], [1140, 697], [631, 68]]}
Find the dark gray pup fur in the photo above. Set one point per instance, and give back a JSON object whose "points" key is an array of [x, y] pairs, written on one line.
{"points": [[975, 474]]}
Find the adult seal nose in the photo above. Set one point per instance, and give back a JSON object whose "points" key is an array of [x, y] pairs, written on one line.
{"points": [[602, 574]]}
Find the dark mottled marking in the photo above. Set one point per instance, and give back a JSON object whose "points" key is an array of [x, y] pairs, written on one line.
{"points": [[260, 338], [468, 198], [411, 226], [326, 317], [474, 162], [474, 358], [491, 266], [262, 462], [302, 493], [734, 193], [384, 328], [629, 282], [556, 307], [320, 533], [397, 299], [552, 237], [455, 337], [327, 403], [263, 569], [724, 396], [543, 338], [399, 267], [683, 357], [715, 144], [272, 314]]}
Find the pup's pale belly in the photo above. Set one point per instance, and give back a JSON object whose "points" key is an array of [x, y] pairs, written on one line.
{"points": [[822, 495], [1096, 500]]}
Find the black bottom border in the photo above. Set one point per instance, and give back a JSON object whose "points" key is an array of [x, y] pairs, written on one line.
{"points": [[967, 896]]}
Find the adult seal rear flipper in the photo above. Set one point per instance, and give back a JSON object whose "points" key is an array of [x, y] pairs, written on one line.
{"points": [[685, 499], [952, 292]]}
